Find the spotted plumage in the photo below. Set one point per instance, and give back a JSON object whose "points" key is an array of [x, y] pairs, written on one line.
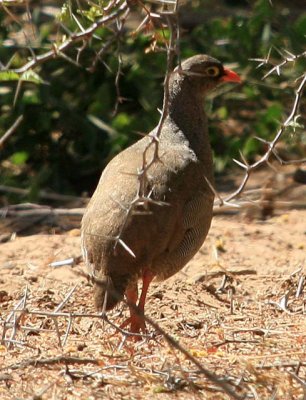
{"points": [[160, 241]]}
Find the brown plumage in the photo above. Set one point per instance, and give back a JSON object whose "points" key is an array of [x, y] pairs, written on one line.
{"points": [[164, 239]]}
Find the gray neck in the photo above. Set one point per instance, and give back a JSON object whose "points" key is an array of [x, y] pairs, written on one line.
{"points": [[186, 112]]}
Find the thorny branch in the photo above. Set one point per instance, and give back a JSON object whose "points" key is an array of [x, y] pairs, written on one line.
{"points": [[17, 321], [83, 35], [115, 15], [120, 27], [290, 58], [13, 321], [11, 130], [20, 311], [290, 121], [142, 197]]}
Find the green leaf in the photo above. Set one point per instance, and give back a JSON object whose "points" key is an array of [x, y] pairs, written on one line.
{"points": [[27, 76], [31, 97], [92, 14], [64, 16], [121, 121], [19, 158], [31, 76], [300, 26], [251, 146], [9, 76], [273, 114], [222, 112]]}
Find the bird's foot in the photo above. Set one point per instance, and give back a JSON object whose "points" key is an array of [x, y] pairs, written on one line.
{"points": [[137, 326]]}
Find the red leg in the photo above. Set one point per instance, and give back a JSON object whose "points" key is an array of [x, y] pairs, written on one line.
{"points": [[147, 278], [131, 296], [136, 320]]}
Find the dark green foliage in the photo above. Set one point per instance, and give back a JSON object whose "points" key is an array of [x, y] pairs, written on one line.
{"points": [[70, 130]]}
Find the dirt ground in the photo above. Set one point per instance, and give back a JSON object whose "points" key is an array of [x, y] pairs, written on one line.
{"points": [[238, 308]]}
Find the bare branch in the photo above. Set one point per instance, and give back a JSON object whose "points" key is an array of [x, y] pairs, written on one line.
{"points": [[42, 211], [142, 197], [271, 145], [86, 35], [56, 360], [43, 194], [16, 314], [11, 130]]}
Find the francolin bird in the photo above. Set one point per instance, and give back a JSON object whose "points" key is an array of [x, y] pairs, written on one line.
{"points": [[157, 239]]}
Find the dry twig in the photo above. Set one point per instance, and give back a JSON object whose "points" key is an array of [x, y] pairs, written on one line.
{"points": [[11, 130], [42, 211], [271, 145], [83, 35], [12, 323]]}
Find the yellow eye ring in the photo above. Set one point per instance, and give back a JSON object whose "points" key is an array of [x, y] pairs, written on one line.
{"points": [[213, 71]]}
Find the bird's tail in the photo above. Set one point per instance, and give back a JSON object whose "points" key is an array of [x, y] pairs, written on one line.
{"points": [[109, 291]]}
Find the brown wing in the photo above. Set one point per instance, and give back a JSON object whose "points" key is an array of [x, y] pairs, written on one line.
{"points": [[163, 237]]}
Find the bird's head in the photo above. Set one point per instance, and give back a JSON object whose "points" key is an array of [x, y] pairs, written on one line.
{"points": [[204, 73]]}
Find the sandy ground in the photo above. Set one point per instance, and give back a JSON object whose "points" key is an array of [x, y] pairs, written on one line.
{"points": [[248, 329]]}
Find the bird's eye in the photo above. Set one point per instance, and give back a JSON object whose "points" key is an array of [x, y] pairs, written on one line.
{"points": [[213, 71]]}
